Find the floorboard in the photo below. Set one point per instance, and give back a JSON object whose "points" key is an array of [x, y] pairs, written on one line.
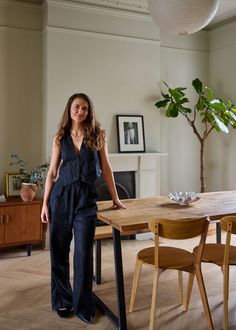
{"points": [[25, 293]]}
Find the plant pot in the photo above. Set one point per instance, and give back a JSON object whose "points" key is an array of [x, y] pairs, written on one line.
{"points": [[28, 191]]}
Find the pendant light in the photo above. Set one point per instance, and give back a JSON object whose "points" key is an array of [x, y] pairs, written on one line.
{"points": [[182, 16]]}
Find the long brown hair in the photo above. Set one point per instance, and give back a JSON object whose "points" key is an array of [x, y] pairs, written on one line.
{"points": [[94, 135]]}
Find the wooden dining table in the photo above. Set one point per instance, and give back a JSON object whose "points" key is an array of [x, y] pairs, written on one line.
{"points": [[136, 217]]}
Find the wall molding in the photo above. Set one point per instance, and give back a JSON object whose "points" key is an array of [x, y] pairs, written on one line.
{"points": [[18, 29], [129, 5], [86, 7], [100, 35], [22, 4]]}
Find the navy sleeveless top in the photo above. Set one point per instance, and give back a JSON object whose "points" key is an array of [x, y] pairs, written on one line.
{"points": [[81, 166]]}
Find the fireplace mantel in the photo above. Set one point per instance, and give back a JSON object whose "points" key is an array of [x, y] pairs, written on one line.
{"points": [[147, 170]]}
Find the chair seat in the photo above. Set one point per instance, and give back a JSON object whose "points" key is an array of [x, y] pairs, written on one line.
{"points": [[169, 257], [214, 253]]}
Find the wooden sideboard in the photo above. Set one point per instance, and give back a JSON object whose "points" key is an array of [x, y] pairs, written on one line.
{"points": [[20, 223]]}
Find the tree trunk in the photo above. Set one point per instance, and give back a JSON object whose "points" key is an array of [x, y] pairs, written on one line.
{"points": [[202, 164]]}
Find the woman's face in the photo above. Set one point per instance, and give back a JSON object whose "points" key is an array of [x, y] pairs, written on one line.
{"points": [[79, 110]]}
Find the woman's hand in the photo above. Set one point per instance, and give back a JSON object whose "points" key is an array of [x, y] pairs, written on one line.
{"points": [[45, 214], [117, 204]]}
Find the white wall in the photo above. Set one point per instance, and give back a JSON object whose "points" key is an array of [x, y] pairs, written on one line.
{"points": [[119, 58], [182, 60], [222, 157], [20, 81], [119, 69]]}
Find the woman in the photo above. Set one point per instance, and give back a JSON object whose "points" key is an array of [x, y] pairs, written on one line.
{"points": [[79, 154]]}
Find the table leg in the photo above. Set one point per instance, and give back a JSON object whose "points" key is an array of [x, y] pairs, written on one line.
{"points": [[120, 320], [218, 233], [119, 279]]}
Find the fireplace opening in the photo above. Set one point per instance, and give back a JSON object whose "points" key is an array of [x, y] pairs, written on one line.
{"points": [[125, 185]]}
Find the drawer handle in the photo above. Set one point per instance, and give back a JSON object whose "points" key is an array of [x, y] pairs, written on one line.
{"points": [[1, 219], [7, 219]]}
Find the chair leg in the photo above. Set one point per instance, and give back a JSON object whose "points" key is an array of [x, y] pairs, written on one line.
{"points": [[226, 295], [137, 271], [204, 296], [154, 299], [180, 280], [189, 291]]}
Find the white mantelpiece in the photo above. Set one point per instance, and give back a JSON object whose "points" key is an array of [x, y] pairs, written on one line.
{"points": [[147, 170]]}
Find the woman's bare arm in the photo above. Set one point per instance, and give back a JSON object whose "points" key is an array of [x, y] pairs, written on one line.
{"points": [[50, 180], [107, 175]]}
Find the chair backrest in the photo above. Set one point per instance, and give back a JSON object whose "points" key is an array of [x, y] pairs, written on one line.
{"points": [[228, 223], [178, 229]]}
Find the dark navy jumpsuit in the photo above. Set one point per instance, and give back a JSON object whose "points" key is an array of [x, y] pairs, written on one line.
{"points": [[73, 211]]}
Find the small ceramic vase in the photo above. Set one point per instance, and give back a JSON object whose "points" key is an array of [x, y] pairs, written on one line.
{"points": [[28, 191]]}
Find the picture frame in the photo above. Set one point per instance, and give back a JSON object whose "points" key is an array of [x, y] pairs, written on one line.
{"points": [[13, 184], [130, 133]]}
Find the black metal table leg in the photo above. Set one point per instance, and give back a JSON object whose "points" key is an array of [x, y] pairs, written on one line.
{"points": [[120, 320], [119, 279], [98, 261], [218, 232]]}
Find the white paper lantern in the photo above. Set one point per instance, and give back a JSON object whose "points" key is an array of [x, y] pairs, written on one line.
{"points": [[182, 16]]}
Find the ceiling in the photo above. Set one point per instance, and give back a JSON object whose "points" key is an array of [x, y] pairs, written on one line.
{"points": [[226, 12]]}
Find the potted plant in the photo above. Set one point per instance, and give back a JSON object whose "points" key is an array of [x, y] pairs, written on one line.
{"points": [[214, 113], [30, 180]]}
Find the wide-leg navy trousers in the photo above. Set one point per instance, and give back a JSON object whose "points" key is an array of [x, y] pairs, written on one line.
{"points": [[73, 212]]}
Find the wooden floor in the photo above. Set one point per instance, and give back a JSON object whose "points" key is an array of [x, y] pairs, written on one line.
{"points": [[25, 294]]}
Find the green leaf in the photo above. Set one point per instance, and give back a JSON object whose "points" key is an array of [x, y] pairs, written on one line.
{"points": [[166, 84], [197, 84], [177, 95], [202, 103], [209, 94], [220, 124], [230, 115], [172, 110], [181, 88], [229, 104], [217, 105], [184, 100], [162, 103], [166, 96], [184, 109]]}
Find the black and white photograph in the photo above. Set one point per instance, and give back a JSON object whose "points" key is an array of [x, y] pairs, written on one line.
{"points": [[130, 132]]}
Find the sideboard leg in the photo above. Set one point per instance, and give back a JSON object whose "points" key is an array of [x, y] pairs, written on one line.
{"points": [[29, 249]]}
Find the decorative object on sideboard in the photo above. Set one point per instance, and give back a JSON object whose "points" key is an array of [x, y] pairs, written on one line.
{"points": [[26, 182], [130, 132], [182, 16], [213, 113], [2, 198]]}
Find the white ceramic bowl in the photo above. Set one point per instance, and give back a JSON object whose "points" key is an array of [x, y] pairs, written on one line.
{"points": [[183, 198]]}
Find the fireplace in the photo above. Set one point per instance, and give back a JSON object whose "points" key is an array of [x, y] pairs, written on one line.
{"points": [[125, 185]]}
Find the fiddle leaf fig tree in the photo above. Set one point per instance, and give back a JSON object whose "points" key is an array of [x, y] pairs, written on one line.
{"points": [[214, 114]]}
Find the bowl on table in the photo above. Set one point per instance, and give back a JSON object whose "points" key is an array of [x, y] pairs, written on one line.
{"points": [[183, 198]]}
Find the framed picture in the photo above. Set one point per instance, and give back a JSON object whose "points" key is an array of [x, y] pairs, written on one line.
{"points": [[130, 131], [13, 184]]}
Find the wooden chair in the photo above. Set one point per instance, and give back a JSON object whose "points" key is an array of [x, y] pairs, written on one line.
{"points": [[162, 258], [223, 255]]}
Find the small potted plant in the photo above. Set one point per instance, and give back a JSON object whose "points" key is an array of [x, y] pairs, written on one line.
{"points": [[30, 180]]}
